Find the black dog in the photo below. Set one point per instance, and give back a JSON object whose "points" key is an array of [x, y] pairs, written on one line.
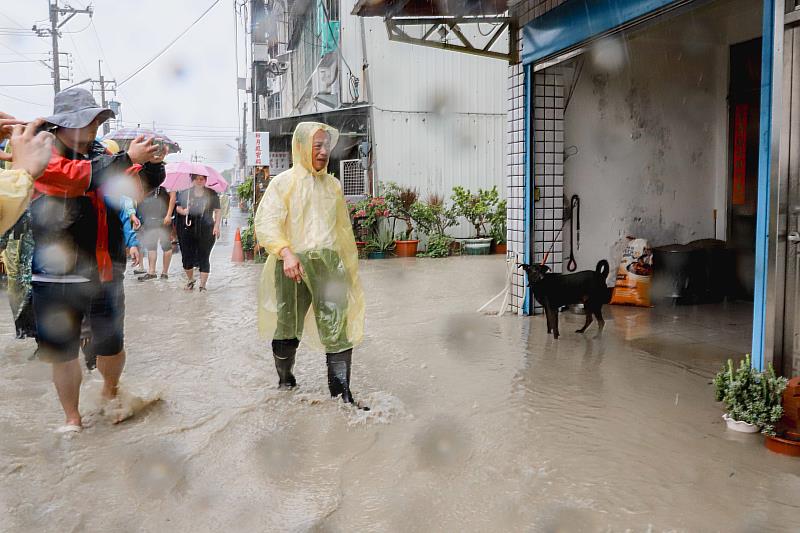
{"points": [[554, 291]]}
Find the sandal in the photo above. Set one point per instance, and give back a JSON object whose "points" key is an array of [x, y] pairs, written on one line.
{"points": [[189, 285], [203, 289], [164, 276]]}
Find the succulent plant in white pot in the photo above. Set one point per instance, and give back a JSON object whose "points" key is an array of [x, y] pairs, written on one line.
{"points": [[752, 399]]}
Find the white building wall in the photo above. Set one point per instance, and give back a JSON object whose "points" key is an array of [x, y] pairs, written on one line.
{"points": [[438, 116]]}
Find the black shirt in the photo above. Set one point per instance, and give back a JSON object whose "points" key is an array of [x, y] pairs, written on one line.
{"points": [[201, 208]]}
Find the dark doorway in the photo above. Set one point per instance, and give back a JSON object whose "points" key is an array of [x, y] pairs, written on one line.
{"points": [[744, 101]]}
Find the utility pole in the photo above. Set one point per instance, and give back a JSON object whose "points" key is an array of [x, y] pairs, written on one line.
{"points": [[243, 145], [55, 25], [102, 81]]}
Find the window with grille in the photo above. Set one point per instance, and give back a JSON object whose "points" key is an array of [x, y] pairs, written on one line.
{"points": [[353, 176], [274, 105]]}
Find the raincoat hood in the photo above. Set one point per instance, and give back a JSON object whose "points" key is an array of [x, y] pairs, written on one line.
{"points": [[302, 144]]}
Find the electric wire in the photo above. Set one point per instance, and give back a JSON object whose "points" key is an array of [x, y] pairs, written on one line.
{"points": [[169, 45], [20, 54], [23, 100]]}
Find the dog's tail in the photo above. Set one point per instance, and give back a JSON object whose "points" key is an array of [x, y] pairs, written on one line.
{"points": [[602, 268]]}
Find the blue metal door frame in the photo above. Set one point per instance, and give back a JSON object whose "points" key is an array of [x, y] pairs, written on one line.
{"points": [[577, 21]]}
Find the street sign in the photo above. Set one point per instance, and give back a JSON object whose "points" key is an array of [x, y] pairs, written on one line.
{"points": [[258, 149]]}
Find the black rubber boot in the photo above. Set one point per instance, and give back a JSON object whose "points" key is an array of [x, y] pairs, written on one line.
{"points": [[339, 374], [283, 351]]}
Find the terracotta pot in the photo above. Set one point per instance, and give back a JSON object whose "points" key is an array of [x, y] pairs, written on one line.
{"points": [[406, 248], [783, 446], [248, 255], [498, 248]]}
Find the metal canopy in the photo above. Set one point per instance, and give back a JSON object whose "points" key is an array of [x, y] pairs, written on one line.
{"points": [[447, 24]]}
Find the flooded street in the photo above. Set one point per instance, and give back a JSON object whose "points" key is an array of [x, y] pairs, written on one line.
{"points": [[477, 423]]}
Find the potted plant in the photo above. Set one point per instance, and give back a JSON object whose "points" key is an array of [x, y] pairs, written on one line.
{"points": [[380, 245], [498, 230], [434, 218], [367, 215], [752, 399], [477, 208], [400, 201], [248, 242]]}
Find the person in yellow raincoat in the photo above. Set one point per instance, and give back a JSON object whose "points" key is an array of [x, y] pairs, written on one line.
{"points": [[310, 281]]}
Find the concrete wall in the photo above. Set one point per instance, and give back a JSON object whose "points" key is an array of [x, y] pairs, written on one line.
{"points": [[649, 119]]}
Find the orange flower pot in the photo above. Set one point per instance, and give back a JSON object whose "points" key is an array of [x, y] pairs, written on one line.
{"points": [[406, 248]]}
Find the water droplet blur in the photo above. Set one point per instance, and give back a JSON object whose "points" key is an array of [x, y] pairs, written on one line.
{"points": [[444, 443]]}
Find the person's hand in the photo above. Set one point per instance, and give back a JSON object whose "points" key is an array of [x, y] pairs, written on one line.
{"points": [[182, 210], [142, 150], [292, 268], [215, 232], [136, 222], [167, 220], [31, 151], [135, 255], [7, 122]]}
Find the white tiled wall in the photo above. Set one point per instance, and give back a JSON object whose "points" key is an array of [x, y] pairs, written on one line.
{"points": [[525, 11], [548, 165]]}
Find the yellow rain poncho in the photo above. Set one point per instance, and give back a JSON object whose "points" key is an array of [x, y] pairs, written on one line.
{"points": [[305, 210]]}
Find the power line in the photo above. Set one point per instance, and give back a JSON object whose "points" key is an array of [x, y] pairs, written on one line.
{"points": [[108, 65], [20, 54], [25, 84], [12, 20], [24, 100], [148, 63]]}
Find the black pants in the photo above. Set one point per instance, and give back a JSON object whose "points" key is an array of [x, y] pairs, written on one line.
{"points": [[196, 244]]}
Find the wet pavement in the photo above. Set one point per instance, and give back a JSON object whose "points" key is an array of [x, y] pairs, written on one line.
{"points": [[477, 424]]}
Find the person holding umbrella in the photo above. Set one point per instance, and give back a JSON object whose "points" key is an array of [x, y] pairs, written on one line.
{"points": [[198, 223]]}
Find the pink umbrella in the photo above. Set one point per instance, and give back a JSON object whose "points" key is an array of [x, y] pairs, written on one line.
{"points": [[179, 176]]}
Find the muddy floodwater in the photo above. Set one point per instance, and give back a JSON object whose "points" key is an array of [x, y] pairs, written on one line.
{"points": [[477, 423]]}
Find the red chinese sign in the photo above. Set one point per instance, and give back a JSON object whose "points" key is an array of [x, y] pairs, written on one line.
{"points": [[739, 153]]}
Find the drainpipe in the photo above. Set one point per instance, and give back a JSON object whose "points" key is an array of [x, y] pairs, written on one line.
{"points": [[373, 167]]}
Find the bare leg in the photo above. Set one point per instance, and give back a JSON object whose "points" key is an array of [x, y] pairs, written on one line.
{"points": [[203, 279], [110, 367], [67, 379], [151, 262], [166, 261]]}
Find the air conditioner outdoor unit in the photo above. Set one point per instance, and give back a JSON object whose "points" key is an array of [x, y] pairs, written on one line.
{"points": [[261, 52], [325, 79]]}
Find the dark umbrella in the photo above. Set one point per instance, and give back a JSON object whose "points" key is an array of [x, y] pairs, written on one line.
{"points": [[124, 136]]}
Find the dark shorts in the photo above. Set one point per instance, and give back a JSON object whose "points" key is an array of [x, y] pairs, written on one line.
{"points": [[151, 235], [59, 309], [107, 318]]}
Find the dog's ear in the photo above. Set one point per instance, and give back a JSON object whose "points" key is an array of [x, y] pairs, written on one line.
{"points": [[524, 266], [544, 268]]}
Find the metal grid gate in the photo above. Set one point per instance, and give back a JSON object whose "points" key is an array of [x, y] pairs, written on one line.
{"points": [[353, 176]]}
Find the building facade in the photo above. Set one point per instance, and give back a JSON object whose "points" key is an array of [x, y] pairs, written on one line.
{"points": [[419, 117]]}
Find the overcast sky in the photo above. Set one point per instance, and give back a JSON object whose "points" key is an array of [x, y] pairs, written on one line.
{"points": [[190, 91]]}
